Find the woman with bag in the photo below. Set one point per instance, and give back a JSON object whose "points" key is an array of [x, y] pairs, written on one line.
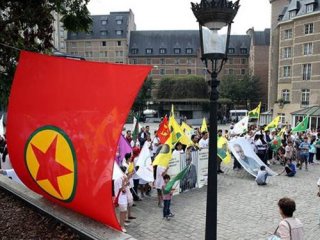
{"points": [[290, 228]]}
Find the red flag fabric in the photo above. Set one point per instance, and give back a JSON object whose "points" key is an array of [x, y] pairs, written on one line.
{"points": [[164, 130], [64, 122]]}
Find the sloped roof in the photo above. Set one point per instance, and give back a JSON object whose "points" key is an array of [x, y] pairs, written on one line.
{"points": [[261, 38], [311, 111], [300, 7]]}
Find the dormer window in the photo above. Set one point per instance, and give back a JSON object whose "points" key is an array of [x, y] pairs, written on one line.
{"points": [[134, 51], [243, 51], [292, 14], [149, 50], [231, 50], [177, 50], [310, 8], [162, 51], [188, 50]]}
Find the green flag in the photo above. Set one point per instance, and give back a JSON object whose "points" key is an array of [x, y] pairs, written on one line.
{"points": [[275, 144], [303, 126], [178, 177]]}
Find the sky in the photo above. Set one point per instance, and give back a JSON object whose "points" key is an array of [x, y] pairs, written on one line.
{"points": [[177, 14]]}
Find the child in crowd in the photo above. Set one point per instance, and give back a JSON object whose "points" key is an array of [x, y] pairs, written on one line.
{"points": [[166, 199], [262, 175], [289, 168]]}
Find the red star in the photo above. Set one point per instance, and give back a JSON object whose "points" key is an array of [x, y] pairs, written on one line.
{"points": [[49, 168]]}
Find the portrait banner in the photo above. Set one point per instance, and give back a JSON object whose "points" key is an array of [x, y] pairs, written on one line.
{"points": [[202, 169], [245, 155], [174, 169]]}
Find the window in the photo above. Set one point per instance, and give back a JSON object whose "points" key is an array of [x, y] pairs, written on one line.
{"points": [[292, 14], [305, 95], [162, 61], [285, 95], [243, 51], [176, 71], [231, 50], [307, 49], [177, 61], [162, 71], [188, 71], [148, 61], [119, 53], [88, 54], [103, 54], [309, 8], [134, 50], [243, 60], [104, 22], [308, 28], [189, 61], [189, 50], [88, 44], [282, 117], [243, 71], [306, 71], [119, 32], [177, 50], [73, 44], [230, 60], [134, 61], [103, 33], [286, 71], [287, 52], [118, 43], [149, 50], [103, 43], [119, 22], [231, 71], [288, 34], [162, 51]]}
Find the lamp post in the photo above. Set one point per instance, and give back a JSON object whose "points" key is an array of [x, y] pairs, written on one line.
{"points": [[213, 16]]}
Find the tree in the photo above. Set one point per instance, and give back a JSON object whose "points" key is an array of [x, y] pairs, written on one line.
{"points": [[28, 25], [183, 87], [241, 90]]}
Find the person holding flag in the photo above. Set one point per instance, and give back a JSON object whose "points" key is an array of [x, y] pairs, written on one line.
{"points": [[167, 196]]}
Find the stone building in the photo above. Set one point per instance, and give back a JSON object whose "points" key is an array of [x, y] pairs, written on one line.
{"points": [[294, 82]]}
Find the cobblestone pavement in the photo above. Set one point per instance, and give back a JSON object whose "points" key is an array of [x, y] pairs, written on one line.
{"points": [[245, 210]]}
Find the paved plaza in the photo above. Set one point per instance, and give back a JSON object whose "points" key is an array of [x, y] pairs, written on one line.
{"points": [[245, 210]]}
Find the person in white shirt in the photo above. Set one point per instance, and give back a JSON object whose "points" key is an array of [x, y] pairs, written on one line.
{"points": [[290, 228], [204, 141], [155, 144]]}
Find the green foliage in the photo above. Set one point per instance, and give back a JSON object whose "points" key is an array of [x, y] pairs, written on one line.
{"points": [[182, 87], [144, 95], [28, 25], [240, 90]]}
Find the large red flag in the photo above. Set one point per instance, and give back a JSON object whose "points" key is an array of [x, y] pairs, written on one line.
{"points": [[64, 121], [164, 130]]}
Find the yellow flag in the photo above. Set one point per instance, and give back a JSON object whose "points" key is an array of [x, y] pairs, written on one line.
{"points": [[255, 113], [130, 167], [223, 152], [204, 127], [187, 129], [165, 154], [274, 123], [177, 133], [283, 130]]}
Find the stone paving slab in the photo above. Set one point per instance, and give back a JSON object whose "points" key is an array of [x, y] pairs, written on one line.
{"points": [[245, 210]]}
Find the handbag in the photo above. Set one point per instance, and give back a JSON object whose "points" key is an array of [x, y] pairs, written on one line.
{"points": [[116, 199]]}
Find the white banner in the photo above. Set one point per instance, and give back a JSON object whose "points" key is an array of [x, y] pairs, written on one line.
{"points": [[202, 167], [174, 169], [245, 155], [144, 162]]}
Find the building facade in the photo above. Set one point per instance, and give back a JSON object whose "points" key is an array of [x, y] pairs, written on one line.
{"points": [[59, 34], [297, 84], [107, 40]]}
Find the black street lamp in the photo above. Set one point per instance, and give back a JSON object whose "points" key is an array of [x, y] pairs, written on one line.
{"points": [[213, 16]]}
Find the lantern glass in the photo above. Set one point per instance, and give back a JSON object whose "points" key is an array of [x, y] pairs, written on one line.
{"points": [[214, 41]]}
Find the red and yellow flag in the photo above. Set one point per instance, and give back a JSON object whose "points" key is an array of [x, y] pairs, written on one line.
{"points": [[164, 130], [64, 121]]}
